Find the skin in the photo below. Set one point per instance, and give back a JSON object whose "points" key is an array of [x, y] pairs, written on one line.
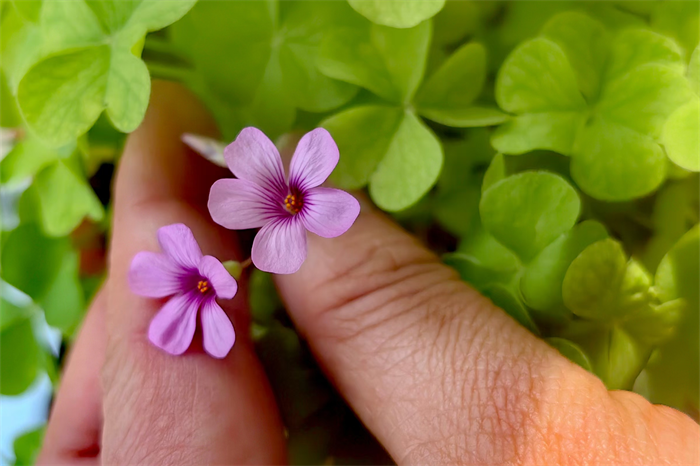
{"points": [[436, 371]]}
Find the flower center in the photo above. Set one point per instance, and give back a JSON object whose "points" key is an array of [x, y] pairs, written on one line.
{"points": [[293, 203], [203, 286]]}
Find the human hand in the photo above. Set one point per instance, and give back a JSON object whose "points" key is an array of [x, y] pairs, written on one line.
{"points": [[433, 369]]}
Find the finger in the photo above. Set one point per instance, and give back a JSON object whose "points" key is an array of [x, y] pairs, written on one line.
{"points": [[158, 408], [73, 432], [442, 376]]}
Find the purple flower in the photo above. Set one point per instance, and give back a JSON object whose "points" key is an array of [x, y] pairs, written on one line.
{"points": [[262, 197], [194, 281]]}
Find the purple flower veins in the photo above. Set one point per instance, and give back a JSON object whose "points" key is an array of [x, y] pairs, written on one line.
{"points": [[193, 281], [261, 196]]}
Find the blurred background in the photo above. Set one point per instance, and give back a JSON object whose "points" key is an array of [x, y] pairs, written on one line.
{"points": [[548, 150]]}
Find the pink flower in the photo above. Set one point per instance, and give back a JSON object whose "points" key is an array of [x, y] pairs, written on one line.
{"points": [[261, 196], [194, 281]]}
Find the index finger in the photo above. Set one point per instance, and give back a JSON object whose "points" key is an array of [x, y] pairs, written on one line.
{"points": [[158, 408]]}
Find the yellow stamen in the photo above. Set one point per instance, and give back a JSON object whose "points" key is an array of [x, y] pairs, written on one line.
{"points": [[293, 203], [203, 286]]}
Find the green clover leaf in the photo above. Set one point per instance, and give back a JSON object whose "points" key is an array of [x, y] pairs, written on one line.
{"points": [[30, 156], [397, 13], [614, 355], [681, 133], [90, 65], [28, 445], [260, 58], [409, 168], [674, 377], [679, 20], [448, 95], [64, 301], [456, 200], [571, 351], [601, 284], [389, 149], [600, 98], [381, 144], [389, 62], [508, 300], [20, 45], [31, 261], [64, 199], [527, 211], [19, 357], [542, 280]]}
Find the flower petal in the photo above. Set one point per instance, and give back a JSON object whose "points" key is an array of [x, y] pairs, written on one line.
{"points": [[280, 246], [223, 283], [173, 327], [314, 159], [178, 243], [217, 330], [329, 212], [240, 204], [154, 275], [253, 157]]}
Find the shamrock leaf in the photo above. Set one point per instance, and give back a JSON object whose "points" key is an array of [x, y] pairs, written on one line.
{"points": [[529, 210], [273, 70], [31, 261], [28, 445], [673, 372], [571, 351], [19, 357], [602, 284], [508, 300], [530, 238], [64, 199], [64, 301], [397, 13], [28, 9], [681, 133], [541, 283], [90, 65], [47, 270], [9, 113], [30, 156], [20, 45], [679, 20], [456, 200], [386, 146], [614, 355], [675, 212], [447, 96], [389, 62], [593, 96], [389, 149]]}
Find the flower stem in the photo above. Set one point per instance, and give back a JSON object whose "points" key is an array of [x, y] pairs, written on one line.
{"points": [[236, 268]]}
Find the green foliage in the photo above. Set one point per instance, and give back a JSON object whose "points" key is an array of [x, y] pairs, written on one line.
{"points": [[577, 215], [387, 146], [571, 351], [27, 445], [397, 13], [590, 94], [542, 281], [527, 211], [19, 357], [679, 20], [680, 136], [31, 261], [273, 71], [601, 284], [83, 60], [673, 371]]}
